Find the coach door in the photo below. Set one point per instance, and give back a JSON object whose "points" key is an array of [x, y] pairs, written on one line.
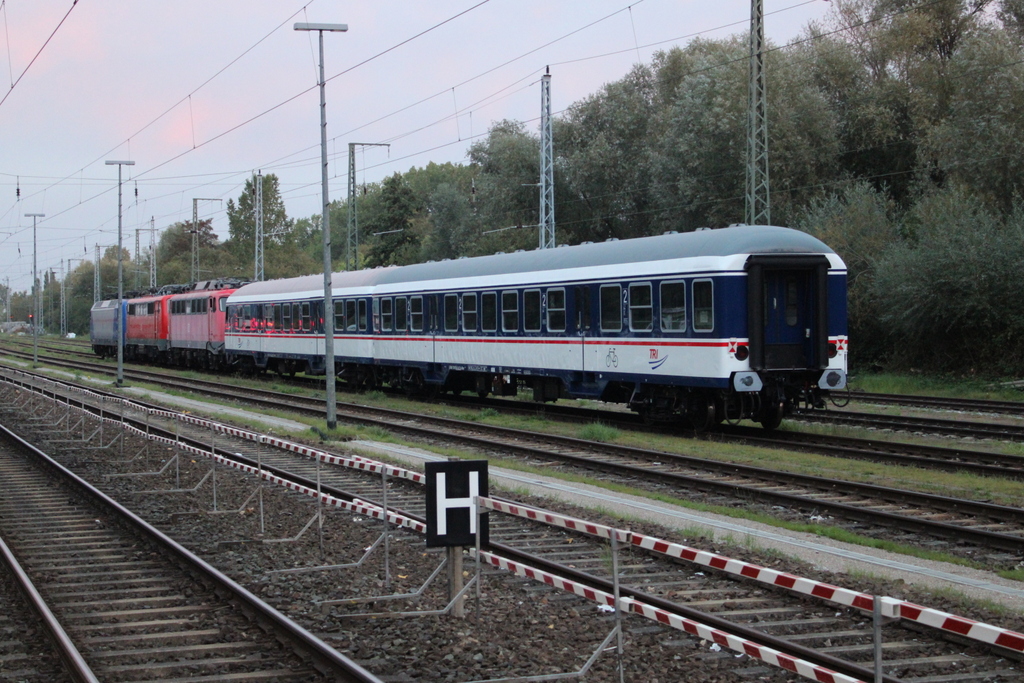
{"points": [[581, 305], [788, 312]]}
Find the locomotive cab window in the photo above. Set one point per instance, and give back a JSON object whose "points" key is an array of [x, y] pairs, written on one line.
{"points": [[611, 308], [556, 310], [531, 310], [489, 317], [469, 313], [641, 308], [416, 309], [703, 306], [510, 311], [451, 312]]}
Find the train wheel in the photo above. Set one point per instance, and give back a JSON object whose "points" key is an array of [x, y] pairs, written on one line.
{"points": [[771, 418], [702, 413]]}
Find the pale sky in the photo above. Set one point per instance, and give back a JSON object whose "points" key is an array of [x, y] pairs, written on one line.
{"points": [[203, 94]]}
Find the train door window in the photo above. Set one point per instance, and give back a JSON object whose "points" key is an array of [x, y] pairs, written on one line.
{"points": [[510, 311], [611, 308], [362, 315], [416, 313], [286, 317], [582, 295], [792, 303], [489, 317], [401, 313], [209, 305], [307, 318], [376, 315], [641, 309], [703, 306], [673, 306], [385, 314], [556, 310], [451, 312], [469, 312], [339, 315], [268, 316], [278, 316], [247, 317], [531, 310], [350, 315]]}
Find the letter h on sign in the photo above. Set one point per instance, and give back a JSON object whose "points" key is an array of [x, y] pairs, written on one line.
{"points": [[451, 517]]}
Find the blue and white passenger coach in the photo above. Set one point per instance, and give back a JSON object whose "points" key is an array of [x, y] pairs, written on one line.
{"points": [[741, 322]]}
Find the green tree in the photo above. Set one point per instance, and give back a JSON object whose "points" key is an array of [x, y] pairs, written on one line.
{"points": [[392, 238], [241, 240]]}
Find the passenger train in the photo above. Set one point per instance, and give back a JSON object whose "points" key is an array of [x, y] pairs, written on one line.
{"points": [[712, 325]]}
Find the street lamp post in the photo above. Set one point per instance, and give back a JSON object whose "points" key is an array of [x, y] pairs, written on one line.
{"points": [[332, 407], [35, 292], [120, 282]]}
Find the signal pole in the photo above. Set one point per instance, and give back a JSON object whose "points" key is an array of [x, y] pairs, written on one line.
{"points": [[258, 211], [758, 206]]}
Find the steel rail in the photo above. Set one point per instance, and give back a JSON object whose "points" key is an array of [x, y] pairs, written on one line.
{"points": [[320, 652]]}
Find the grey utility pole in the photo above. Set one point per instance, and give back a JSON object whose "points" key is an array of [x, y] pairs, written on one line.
{"points": [[332, 403], [352, 249], [195, 234], [152, 251], [758, 205], [63, 303], [547, 167], [35, 292], [120, 272]]}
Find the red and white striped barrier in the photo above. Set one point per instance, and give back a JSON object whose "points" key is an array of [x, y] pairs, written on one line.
{"points": [[742, 645], [967, 628]]}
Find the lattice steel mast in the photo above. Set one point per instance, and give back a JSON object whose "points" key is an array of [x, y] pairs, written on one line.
{"points": [[258, 210], [758, 206], [547, 167], [352, 248]]}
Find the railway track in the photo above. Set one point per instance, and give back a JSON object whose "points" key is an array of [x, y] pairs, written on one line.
{"points": [[132, 613], [814, 631], [955, 525], [941, 403], [927, 425]]}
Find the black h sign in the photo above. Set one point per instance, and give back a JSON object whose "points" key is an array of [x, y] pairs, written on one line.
{"points": [[451, 517]]}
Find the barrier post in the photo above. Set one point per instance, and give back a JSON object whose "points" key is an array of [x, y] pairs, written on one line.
{"points": [[259, 466], [455, 584], [618, 610], [387, 530], [479, 577], [177, 452], [320, 510], [213, 456], [878, 638]]}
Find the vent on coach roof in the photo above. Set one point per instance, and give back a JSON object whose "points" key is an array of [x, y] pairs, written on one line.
{"points": [[734, 225], [587, 242], [612, 239], [670, 232]]}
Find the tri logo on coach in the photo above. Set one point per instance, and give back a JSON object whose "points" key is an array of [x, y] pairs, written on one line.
{"points": [[451, 488]]}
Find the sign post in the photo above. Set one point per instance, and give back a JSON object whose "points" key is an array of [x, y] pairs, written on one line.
{"points": [[452, 522]]}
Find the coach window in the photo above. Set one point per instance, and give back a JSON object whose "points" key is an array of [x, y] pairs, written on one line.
{"points": [[362, 315], [451, 312], [401, 313], [286, 317], [246, 317], [489, 320], [531, 310], [510, 311], [385, 315], [307, 318], [641, 315], [469, 313], [350, 315], [268, 316], [339, 315], [703, 306], [556, 310], [416, 311], [673, 306], [278, 315], [611, 308]]}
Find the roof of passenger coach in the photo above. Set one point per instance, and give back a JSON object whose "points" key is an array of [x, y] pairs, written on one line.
{"points": [[737, 240]]}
